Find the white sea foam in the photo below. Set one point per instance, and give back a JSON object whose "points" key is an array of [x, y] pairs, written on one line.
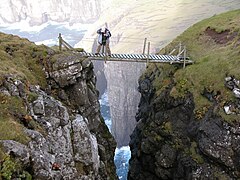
{"points": [[125, 149], [104, 99]]}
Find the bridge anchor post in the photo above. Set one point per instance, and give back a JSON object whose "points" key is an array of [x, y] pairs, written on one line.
{"points": [[148, 53], [184, 57], [180, 48], [60, 41]]}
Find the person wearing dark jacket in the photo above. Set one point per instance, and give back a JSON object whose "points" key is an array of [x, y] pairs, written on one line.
{"points": [[103, 40]]}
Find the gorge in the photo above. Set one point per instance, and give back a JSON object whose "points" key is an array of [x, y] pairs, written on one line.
{"points": [[129, 21], [159, 144], [158, 21]]}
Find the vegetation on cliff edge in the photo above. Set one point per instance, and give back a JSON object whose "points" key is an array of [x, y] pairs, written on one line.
{"points": [[214, 46]]}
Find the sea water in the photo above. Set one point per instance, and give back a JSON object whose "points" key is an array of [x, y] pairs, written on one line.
{"points": [[123, 154]]}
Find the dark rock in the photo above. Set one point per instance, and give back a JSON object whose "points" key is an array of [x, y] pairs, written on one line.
{"points": [[62, 95], [166, 157], [87, 64], [185, 167], [170, 143]]}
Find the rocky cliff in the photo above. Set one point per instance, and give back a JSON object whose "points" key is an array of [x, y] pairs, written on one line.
{"points": [[188, 119], [51, 126], [123, 98], [38, 12]]}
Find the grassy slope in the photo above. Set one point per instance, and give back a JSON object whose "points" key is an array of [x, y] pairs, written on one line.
{"points": [[21, 58], [212, 60]]}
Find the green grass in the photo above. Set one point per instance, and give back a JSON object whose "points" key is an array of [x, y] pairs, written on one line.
{"points": [[212, 61], [196, 157], [22, 58], [11, 168], [10, 129], [25, 61]]}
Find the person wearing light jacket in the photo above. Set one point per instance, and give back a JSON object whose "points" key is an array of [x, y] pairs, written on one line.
{"points": [[103, 40]]}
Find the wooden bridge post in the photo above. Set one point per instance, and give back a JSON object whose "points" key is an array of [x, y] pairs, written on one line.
{"points": [[60, 41], [180, 48], [144, 45], [148, 53], [184, 56]]}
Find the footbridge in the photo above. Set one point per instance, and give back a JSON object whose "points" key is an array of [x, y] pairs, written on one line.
{"points": [[180, 58], [148, 58]]}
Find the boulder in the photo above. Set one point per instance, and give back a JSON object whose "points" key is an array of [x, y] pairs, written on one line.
{"points": [[18, 150]]}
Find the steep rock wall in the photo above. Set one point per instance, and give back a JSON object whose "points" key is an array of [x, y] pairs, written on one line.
{"points": [[123, 98], [170, 142], [67, 135]]}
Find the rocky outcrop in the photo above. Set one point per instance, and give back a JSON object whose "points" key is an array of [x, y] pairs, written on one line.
{"points": [[233, 107], [123, 98], [67, 139], [169, 142]]}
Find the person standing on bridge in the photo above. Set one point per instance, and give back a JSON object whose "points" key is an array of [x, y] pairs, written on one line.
{"points": [[103, 40]]}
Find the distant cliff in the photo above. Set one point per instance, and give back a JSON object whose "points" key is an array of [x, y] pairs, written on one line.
{"points": [[50, 121], [123, 98], [38, 12], [188, 119]]}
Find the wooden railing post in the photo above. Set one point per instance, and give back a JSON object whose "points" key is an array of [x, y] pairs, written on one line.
{"points": [[60, 41], [144, 45], [180, 48], [148, 53], [184, 57]]}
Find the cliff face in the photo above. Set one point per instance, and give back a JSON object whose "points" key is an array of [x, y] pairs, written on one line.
{"points": [[60, 11], [77, 82], [123, 98], [170, 143], [188, 119], [61, 133]]}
